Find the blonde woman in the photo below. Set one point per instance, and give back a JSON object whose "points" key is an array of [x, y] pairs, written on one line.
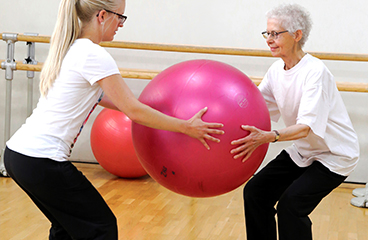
{"points": [[77, 75]]}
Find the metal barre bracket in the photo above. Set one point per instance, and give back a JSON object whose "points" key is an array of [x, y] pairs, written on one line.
{"points": [[31, 52], [30, 74], [9, 65]]}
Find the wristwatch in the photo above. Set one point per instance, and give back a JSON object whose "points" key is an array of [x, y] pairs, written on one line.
{"points": [[277, 135]]}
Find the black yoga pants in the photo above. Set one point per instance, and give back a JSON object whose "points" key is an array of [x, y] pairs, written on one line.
{"points": [[74, 207], [297, 191]]}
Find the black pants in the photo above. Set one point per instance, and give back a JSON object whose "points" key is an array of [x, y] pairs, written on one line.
{"points": [[297, 190], [74, 207]]}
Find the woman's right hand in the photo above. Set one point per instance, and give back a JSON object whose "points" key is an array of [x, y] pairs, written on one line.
{"points": [[201, 130]]}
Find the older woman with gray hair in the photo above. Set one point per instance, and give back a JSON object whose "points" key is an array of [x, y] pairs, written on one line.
{"points": [[325, 150]]}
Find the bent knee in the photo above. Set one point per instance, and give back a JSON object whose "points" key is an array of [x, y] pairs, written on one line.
{"points": [[251, 191], [289, 204]]}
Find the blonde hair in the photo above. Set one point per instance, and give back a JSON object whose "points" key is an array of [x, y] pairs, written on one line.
{"points": [[72, 14]]}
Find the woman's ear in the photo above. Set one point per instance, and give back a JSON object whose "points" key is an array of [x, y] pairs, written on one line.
{"points": [[298, 35], [101, 16]]}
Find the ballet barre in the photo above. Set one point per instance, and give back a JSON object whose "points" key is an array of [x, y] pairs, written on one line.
{"points": [[150, 74], [201, 49]]}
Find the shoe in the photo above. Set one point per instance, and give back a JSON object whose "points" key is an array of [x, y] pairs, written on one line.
{"points": [[359, 202], [359, 192]]}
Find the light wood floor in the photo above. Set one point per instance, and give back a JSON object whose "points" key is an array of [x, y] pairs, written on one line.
{"points": [[145, 210]]}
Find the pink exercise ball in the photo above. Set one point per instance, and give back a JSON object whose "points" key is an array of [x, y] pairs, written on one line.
{"points": [[112, 145], [181, 163]]}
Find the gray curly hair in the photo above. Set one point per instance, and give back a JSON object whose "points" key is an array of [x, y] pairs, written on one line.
{"points": [[292, 17]]}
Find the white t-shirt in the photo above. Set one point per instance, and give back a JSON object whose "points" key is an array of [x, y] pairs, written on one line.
{"points": [[55, 124], [307, 94]]}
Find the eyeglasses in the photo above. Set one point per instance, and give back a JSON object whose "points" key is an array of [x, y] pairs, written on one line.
{"points": [[121, 17], [272, 34]]}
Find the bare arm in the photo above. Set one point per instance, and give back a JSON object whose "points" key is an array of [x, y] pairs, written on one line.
{"points": [[107, 103], [258, 137], [119, 96]]}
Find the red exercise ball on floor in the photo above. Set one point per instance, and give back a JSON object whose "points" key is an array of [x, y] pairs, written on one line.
{"points": [[181, 163], [112, 145]]}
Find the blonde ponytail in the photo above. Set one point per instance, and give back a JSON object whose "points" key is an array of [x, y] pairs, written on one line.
{"points": [[66, 31]]}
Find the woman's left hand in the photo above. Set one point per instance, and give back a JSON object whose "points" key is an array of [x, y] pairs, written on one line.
{"points": [[249, 143]]}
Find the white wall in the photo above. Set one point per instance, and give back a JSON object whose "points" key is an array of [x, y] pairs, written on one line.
{"points": [[338, 27]]}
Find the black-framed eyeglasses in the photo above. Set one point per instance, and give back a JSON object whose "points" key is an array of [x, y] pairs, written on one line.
{"points": [[121, 17], [272, 34]]}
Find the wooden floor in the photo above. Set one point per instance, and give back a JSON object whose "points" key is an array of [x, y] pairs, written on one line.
{"points": [[145, 210]]}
